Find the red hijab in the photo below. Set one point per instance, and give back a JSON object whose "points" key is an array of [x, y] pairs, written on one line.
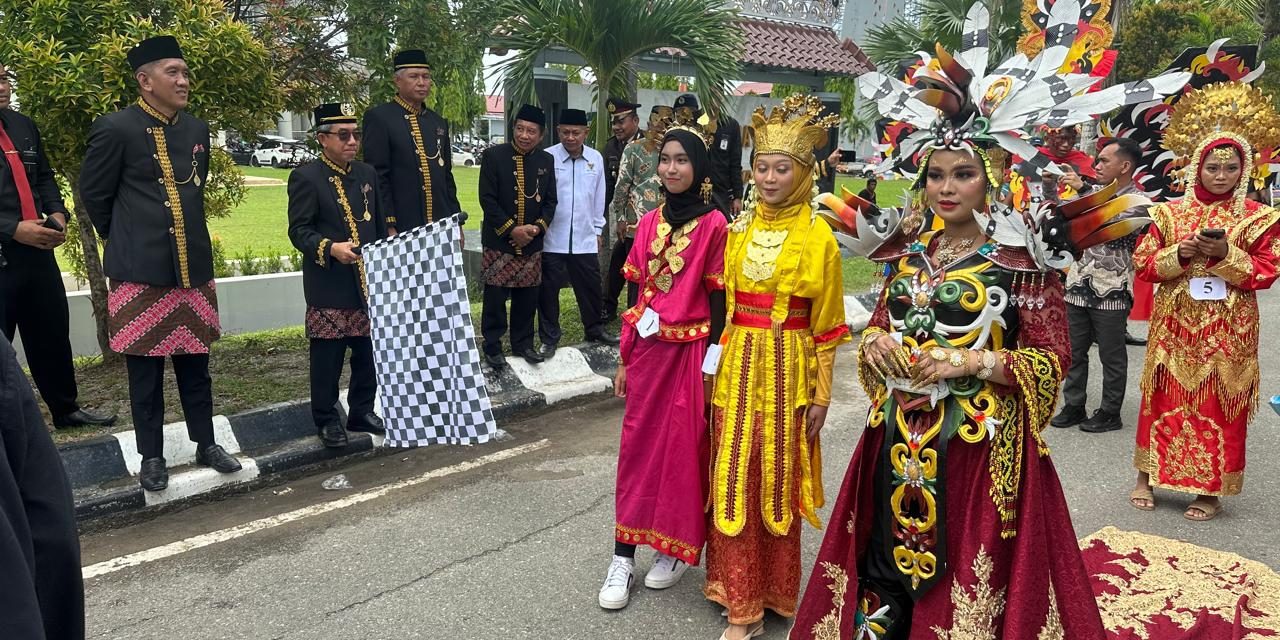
{"points": [[1204, 195]]}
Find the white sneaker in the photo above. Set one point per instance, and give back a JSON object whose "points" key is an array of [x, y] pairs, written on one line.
{"points": [[616, 592], [666, 572]]}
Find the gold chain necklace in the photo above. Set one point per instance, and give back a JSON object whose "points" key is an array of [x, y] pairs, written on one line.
{"points": [[951, 248]]}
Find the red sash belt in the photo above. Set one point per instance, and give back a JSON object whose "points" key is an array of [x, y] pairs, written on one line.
{"points": [[753, 310]]}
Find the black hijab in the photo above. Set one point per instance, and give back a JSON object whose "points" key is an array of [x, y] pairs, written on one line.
{"points": [[683, 207]]}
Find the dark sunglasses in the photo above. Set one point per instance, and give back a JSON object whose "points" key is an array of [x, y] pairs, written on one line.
{"points": [[345, 136]]}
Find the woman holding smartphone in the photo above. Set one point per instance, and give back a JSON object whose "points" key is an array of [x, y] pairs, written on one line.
{"points": [[1210, 253]]}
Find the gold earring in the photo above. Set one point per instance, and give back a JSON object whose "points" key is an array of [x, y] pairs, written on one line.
{"points": [[706, 191]]}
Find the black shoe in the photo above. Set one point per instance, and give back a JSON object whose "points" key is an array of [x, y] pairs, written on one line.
{"points": [[1102, 422], [496, 361], [370, 423], [1069, 417], [1133, 340], [531, 356], [153, 476], [604, 338], [607, 317], [83, 418], [548, 351], [218, 458], [333, 436]]}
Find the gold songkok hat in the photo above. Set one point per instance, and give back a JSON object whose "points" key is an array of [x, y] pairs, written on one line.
{"points": [[795, 128], [1224, 110]]}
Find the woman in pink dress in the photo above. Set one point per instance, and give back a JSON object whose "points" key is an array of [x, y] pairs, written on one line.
{"points": [[678, 263]]}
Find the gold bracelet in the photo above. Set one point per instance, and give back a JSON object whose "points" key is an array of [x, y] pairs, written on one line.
{"points": [[989, 362]]}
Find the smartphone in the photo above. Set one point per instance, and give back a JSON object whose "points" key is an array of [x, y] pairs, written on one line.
{"points": [[51, 223], [1216, 234]]}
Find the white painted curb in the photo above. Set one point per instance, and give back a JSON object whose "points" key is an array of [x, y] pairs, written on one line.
{"points": [[565, 376]]}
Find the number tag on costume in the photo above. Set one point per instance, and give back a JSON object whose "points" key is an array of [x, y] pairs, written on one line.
{"points": [[711, 363], [1212, 288], [648, 324]]}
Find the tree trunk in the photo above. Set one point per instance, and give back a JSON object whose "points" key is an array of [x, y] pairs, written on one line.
{"points": [[1270, 20], [93, 272], [603, 131]]}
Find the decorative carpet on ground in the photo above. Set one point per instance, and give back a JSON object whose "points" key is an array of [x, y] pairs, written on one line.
{"points": [[1153, 588]]}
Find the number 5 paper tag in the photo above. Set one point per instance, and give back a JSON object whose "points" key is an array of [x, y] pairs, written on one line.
{"points": [[648, 324], [1212, 288]]}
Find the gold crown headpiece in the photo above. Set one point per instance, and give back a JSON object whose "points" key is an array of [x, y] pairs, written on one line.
{"points": [[795, 128], [699, 125], [1218, 110]]}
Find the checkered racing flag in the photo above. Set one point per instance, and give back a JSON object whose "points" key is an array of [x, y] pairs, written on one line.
{"points": [[424, 344]]}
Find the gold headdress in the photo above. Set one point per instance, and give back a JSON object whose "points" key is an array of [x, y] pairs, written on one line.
{"points": [[686, 120], [1224, 111], [796, 128]]}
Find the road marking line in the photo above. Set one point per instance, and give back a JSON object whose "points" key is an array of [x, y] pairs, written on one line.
{"points": [[223, 535]]}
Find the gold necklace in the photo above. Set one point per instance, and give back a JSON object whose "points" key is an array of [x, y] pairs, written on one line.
{"points": [[951, 248]]}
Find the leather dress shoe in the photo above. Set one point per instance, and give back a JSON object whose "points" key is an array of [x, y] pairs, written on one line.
{"points": [[496, 361], [370, 423], [1069, 416], [604, 338], [548, 351], [1133, 340], [83, 418], [531, 356], [333, 436], [218, 458], [153, 476]]}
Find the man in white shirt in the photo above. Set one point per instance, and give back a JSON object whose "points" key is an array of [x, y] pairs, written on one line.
{"points": [[570, 254]]}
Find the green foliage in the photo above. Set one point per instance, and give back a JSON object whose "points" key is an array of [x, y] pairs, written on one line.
{"points": [[453, 35], [247, 262], [295, 260], [941, 21], [609, 34], [221, 267], [1155, 33], [273, 263], [307, 45]]}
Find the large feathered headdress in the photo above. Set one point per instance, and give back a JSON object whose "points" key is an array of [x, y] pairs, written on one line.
{"points": [[955, 103], [1231, 111]]}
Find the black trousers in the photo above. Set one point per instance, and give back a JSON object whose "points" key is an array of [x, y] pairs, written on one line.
{"points": [[1106, 328], [146, 399], [582, 272], [877, 570], [326, 369], [614, 281], [33, 301], [41, 592], [493, 317]]}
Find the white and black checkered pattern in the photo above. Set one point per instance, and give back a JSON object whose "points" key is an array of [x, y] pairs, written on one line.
{"points": [[424, 344]]}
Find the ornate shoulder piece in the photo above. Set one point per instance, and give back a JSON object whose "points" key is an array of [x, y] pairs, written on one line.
{"points": [[860, 225]]}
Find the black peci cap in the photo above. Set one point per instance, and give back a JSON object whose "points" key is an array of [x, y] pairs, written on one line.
{"points": [[573, 117], [411, 59], [334, 113], [152, 49], [530, 113]]}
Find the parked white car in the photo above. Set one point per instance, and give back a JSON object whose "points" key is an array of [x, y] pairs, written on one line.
{"points": [[464, 158], [277, 151]]}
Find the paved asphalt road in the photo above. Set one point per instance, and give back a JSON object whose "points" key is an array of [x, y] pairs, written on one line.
{"points": [[517, 548]]}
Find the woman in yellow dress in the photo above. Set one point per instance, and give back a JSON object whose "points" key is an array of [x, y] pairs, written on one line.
{"points": [[785, 305]]}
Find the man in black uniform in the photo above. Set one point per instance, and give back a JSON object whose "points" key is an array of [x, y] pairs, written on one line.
{"points": [[518, 195], [408, 144], [726, 156], [334, 208], [142, 183], [32, 298], [41, 592], [626, 129]]}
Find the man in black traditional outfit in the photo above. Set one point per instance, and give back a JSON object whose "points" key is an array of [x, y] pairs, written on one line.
{"points": [[409, 146], [334, 209], [41, 592], [626, 129], [518, 195], [142, 183], [32, 298]]}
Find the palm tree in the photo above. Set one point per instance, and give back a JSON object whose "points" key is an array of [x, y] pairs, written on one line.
{"points": [[609, 34], [891, 44]]}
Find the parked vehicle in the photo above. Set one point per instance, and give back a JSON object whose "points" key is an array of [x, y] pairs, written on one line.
{"points": [[463, 157], [241, 151], [277, 151]]}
